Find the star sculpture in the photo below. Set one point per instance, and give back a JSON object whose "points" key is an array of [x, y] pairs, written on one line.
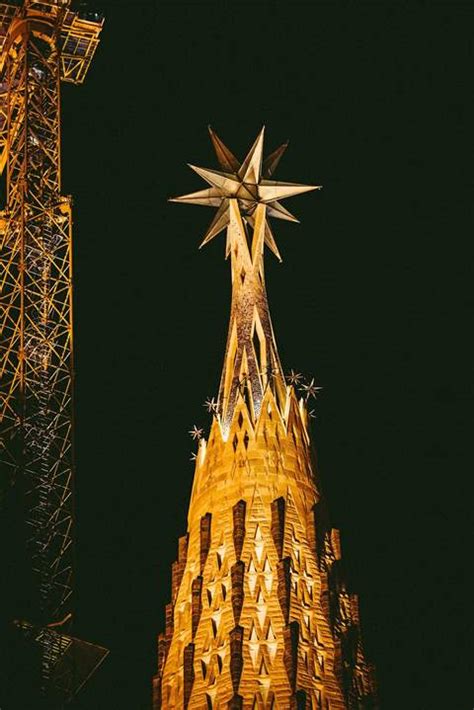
{"points": [[196, 432], [246, 182], [211, 405], [311, 389], [294, 377]]}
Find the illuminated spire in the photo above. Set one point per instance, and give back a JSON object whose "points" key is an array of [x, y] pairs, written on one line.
{"points": [[259, 615], [245, 198]]}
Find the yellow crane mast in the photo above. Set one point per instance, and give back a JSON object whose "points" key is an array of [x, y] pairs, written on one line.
{"points": [[41, 45]]}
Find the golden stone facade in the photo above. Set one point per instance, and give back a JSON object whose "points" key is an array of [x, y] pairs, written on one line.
{"points": [[259, 615]]}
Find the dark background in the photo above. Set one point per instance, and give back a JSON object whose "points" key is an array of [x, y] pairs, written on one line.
{"points": [[372, 299]]}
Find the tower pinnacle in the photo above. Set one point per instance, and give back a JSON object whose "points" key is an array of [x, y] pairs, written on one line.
{"points": [[245, 198], [260, 617]]}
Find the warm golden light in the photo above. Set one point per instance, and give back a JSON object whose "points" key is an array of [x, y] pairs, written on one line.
{"points": [[259, 617]]}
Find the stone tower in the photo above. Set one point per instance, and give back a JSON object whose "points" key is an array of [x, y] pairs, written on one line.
{"points": [[259, 616]]}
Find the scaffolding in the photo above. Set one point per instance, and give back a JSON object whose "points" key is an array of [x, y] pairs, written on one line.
{"points": [[41, 44]]}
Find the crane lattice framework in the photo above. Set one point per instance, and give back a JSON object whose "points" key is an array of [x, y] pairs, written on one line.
{"points": [[41, 45], [260, 616]]}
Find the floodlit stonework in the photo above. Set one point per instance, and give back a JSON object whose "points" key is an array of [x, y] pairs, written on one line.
{"points": [[259, 616]]}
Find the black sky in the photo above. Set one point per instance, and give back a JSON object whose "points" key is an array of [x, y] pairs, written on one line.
{"points": [[372, 299]]}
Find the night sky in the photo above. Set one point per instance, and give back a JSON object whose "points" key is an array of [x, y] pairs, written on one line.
{"points": [[372, 299]]}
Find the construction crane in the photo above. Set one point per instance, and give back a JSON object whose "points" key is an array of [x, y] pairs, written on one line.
{"points": [[41, 45]]}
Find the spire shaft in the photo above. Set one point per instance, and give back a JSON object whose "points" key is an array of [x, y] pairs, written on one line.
{"points": [[251, 361]]}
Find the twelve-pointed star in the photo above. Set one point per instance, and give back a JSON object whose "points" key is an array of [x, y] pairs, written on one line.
{"points": [[249, 184]]}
